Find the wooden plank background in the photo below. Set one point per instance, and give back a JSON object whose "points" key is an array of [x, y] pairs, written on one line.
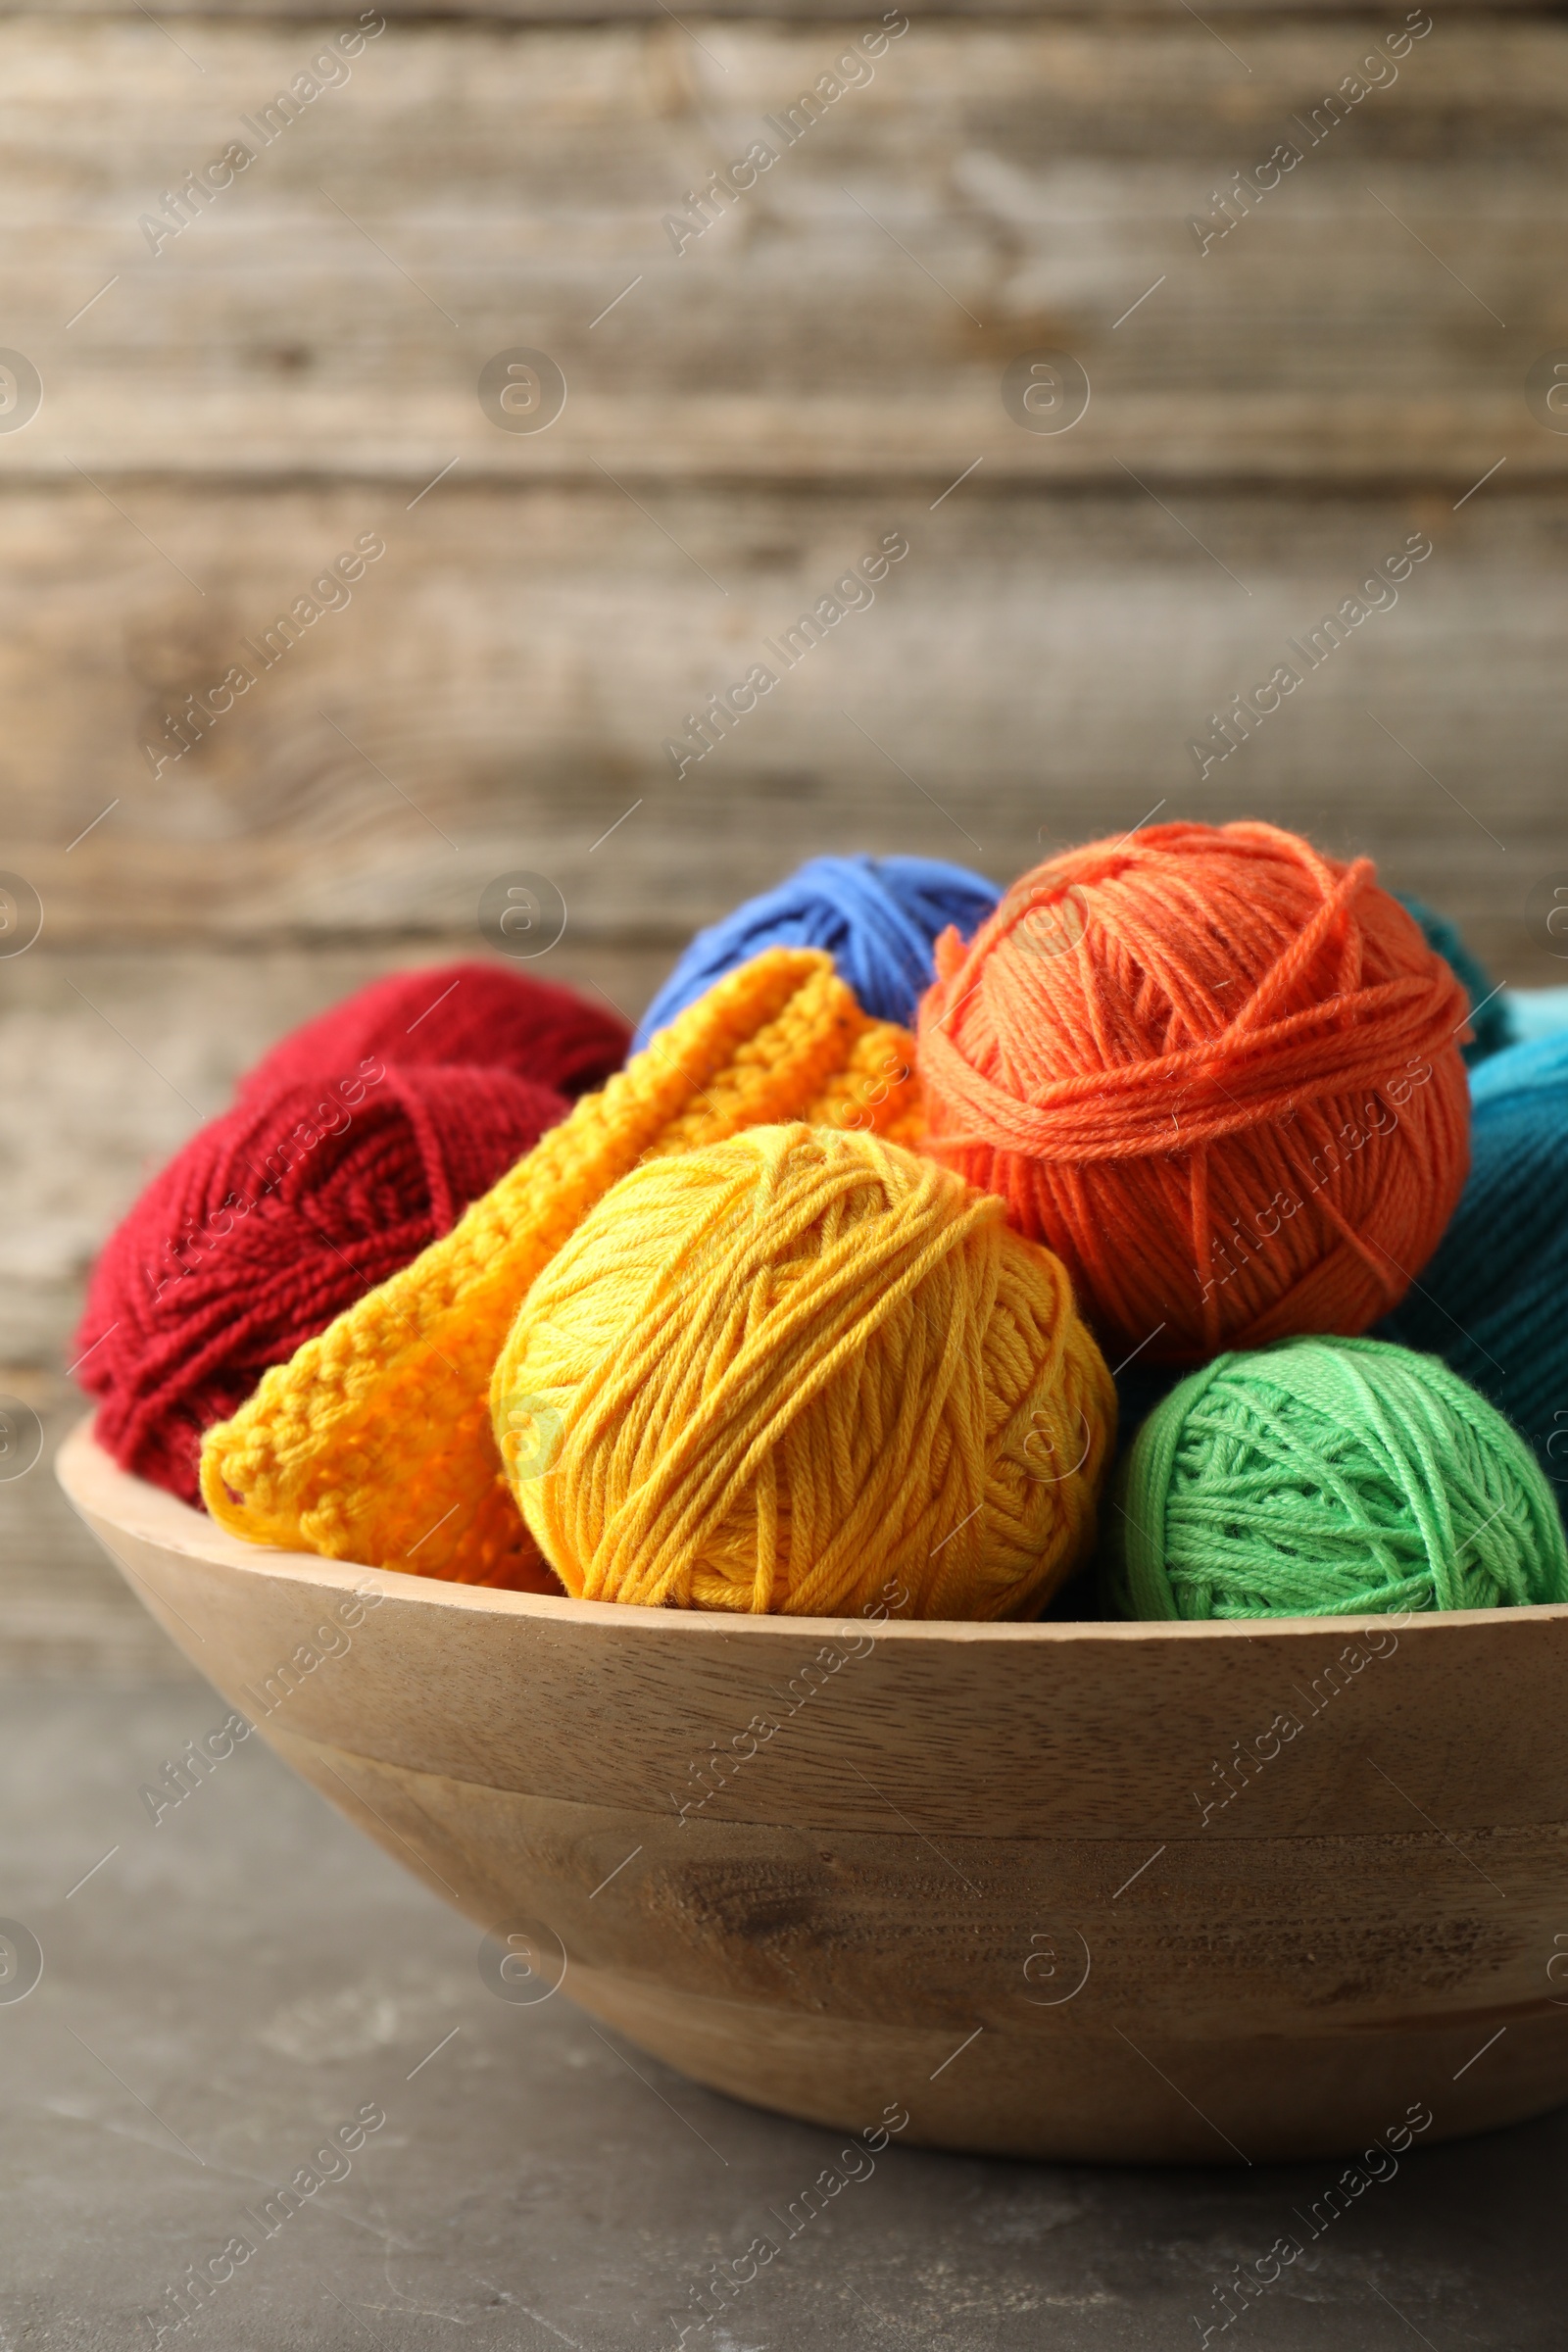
{"points": [[996, 187], [746, 418], [527, 12]]}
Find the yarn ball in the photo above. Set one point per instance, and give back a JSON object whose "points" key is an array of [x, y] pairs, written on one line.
{"points": [[268, 1222], [785, 1371], [877, 918], [1493, 1302], [1329, 1478], [1536, 1012], [1488, 1005], [1216, 1072], [373, 1442], [456, 1013]]}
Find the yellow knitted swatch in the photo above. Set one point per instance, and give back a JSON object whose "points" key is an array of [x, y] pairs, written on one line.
{"points": [[374, 1443], [780, 1372]]}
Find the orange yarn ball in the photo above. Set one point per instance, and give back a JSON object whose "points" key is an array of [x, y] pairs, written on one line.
{"points": [[1217, 1072]]}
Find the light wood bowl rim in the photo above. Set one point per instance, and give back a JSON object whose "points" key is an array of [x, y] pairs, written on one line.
{"points": [[97, 1488]]}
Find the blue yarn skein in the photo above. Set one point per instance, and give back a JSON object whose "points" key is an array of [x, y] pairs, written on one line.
{"points": [[1493, 1302], [877, 918]]}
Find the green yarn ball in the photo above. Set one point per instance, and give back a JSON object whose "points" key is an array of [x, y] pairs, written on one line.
{"points": [[1331, 1478]]}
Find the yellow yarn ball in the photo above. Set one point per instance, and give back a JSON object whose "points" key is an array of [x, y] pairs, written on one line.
{"points": [[776, 1372]]}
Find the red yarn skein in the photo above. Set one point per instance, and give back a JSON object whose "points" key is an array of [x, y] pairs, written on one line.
{"points": [[1217, 1072], [267, 1224], [457, 1012]]}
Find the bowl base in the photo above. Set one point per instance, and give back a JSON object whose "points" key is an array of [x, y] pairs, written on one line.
{"points": [[1092, 2096]]}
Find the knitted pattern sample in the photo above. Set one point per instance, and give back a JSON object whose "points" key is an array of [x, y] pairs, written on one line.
{"points": [[373, 1442]]}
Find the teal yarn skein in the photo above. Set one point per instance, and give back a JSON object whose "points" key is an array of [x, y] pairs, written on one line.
{"points": [[1493, 1301], [1490, 1016], [1331, 1478]]}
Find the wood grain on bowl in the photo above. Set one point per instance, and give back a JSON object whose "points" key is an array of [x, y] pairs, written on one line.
{"points": [[1018, 1879]]}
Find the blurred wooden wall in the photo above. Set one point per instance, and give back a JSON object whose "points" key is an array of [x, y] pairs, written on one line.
{"points": [[296, 371]]}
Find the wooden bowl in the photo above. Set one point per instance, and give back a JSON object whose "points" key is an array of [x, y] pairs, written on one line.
{"points": [[1018, 1879]]}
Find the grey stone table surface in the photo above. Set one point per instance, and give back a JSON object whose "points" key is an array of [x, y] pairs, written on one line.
{"points": [[226, 1991]]}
